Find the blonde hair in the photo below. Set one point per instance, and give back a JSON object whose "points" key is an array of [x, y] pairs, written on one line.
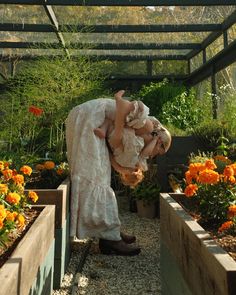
{"points": [[132, 178]]}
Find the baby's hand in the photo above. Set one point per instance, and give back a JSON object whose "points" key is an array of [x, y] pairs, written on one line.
{"points": [[119, 94]]}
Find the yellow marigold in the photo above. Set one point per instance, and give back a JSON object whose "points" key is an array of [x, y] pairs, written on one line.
{"points": [[7, 174], [3, 212], [190, 190], [226, 225], [3, 188], [18, 179], [33, 196], [208, 176], [209, 164], [228, 171], [1, 223], [49, 165], [39, 167], [2, 165], [20, 220], [27, 170], [11, 216], [13, 198]]}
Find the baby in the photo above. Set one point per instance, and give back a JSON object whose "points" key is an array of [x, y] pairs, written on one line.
{"points": [[133, 136]]}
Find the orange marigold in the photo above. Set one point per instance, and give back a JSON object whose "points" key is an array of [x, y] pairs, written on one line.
{"points": [[3, 212], [3, 188], [49, 165], [33, 196], [226, 225], [36, 111], [195, 168], [18, 179], [13, 198], [190, 190], [1, 223], [189, 177], [39, 167], [7, 174], [228, 171], [11, 216], [209, 176], [231, 211], [27, 170], [60, 171], [209, 164], [20, 220]]}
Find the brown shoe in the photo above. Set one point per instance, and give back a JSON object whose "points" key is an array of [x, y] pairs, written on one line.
{"points": [[128, 239], [118, 247]]}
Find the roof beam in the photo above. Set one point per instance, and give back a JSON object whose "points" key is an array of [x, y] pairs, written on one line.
{"points": [[110, 28], [227, 23], [101, 46], [52, 17], [221, 60], [122, 2]]}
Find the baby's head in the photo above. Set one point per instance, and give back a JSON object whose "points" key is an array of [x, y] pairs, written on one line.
{"points": [[163, 137], [132, 178]]}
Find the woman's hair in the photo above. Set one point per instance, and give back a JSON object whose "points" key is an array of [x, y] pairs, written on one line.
{"points": [[132, 178]]}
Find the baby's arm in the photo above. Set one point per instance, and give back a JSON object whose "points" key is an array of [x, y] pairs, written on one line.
{"points": [[148, 149], [102, 131]]}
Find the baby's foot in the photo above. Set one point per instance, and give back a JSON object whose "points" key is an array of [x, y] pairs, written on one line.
{"points": [[118, 95], [99, 133]]}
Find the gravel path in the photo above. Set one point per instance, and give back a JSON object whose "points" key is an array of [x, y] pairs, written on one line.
{"points": [[113, 275]]}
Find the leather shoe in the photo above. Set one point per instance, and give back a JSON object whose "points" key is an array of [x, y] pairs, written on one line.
{"points": [[118, 247], [128, 239]]}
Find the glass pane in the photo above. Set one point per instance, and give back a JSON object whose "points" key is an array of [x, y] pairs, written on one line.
{"points": [[232, 33], [34, 52], [128, 68], [142, 15], [169, 67], [28, 37], [215, 47], [196, 62], [32, 14]]}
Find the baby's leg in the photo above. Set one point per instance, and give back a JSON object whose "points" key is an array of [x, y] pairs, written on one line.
{"points": [[123, 106], [101, 131]]}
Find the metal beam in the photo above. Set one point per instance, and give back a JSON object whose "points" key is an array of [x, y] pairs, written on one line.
{"points": [[52, 17], [111, 28], [103, 57], [102, 46], [227, 23], [220, 61], [122, 2]]}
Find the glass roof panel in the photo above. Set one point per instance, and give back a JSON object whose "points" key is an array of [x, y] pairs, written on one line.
{"points": [[29, 51], [232, 33], [142, 15], [33, 14], [182, 37], [28, 37], [163, 67]]}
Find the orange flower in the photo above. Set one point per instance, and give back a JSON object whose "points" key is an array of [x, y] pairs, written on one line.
{"points": [[13, 198], [228, 171], [39, 167], [3, 188], [226, 225], [33, 196], [231, 211], [20, 220], [35, 111], [60, 171], [49, 165], [222, 158], [209, 176], [11, 216], [209, 164], [7, 174], [190, 190], [188, 177], [2, 165], [1, 223], [27, 170], [195, 168], [18, 179]]}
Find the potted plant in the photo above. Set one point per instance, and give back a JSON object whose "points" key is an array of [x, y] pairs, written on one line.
{"points": [[196, 227], [146, 194]]}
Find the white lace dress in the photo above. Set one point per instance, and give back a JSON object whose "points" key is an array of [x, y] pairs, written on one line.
{"points": [[94, 211]]}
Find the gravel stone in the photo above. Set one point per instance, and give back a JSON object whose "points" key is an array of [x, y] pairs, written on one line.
{"points": [[114, 275]]}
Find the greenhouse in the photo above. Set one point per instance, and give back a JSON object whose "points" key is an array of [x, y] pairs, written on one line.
{"points": [[118, 147]]}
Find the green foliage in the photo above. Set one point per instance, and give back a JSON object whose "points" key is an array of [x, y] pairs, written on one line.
{"points": [[55, 85]]}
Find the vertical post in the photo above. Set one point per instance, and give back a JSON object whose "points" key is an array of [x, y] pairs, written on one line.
{"points": [[189, 66], [225, 35], [149, 68], [204, 58], [214, 94]]}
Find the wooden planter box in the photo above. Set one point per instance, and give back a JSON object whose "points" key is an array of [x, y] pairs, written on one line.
{"points": [[191, 261], [29, 270], [59, 197]]}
